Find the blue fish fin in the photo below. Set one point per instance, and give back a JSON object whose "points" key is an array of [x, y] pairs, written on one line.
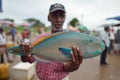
{"points": [[66, 52]]}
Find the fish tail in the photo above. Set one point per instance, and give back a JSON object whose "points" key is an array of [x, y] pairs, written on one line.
{"points": [[17, 50]]}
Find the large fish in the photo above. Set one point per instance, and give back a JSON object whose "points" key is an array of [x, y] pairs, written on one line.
{"points": [[57, 47]]}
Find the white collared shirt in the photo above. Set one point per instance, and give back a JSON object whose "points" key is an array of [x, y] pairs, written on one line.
{"points": [[112, 36], [104, 36], [2, 39]]}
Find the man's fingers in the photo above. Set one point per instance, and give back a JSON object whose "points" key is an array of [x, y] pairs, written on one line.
{"points": [[30, 47], [72, 56], [26, 47], [19, 43], [75, 53], [79, 53], [80, 57]]}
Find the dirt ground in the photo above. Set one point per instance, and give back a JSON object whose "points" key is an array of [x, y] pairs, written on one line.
{"points": [[90, 69]]}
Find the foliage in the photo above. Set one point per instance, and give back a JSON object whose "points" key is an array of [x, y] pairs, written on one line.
{"points": [[74, 22], [47, 28], [8, 19], [19, 28], [35, 22]]}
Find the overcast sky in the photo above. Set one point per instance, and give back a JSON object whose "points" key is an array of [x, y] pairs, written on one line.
{"points": [[94, 12]]}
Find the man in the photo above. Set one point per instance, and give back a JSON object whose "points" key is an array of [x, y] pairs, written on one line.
{"points": [[3, 46], [117, 42], [104, 36], [12, 32], [56, 70], [112, 40]]}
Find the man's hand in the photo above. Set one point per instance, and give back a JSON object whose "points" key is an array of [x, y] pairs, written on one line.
{"points": [[26, 48], [76, 60]]}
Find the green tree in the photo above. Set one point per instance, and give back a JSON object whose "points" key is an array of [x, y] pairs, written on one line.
{"points": [[48, 28], [74, 22], [8, 19], [35, 22]]}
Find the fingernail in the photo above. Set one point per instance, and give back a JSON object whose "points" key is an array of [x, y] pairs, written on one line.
{"points": [[71, 52], [77, 48], [73, 46]]}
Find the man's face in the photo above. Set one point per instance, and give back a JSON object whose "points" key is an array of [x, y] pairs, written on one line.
{"points": [[57, 19], [108, 29]]}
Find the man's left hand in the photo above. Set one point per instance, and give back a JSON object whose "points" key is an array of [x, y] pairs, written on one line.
{"points": [[76, 60]]}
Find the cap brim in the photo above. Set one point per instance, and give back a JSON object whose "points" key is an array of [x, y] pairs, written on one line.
{"points": [[57, 10]]}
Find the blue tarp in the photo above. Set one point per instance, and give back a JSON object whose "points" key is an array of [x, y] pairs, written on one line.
{"points": [[114, 18], [0, 5]]}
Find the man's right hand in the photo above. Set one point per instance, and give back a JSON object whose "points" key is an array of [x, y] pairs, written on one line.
{"points": [[26, 48]]}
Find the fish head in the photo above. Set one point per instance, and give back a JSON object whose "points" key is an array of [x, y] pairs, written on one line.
{"points": [[96, 47]]}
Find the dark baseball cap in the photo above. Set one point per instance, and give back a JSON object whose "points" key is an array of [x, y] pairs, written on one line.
{"points": [[55, 7]]}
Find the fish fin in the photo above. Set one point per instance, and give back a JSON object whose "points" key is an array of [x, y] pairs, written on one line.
{"points": [[17, 50], [44, 38], [66, 52]]}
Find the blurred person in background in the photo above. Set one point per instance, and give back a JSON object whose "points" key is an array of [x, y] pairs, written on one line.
{"points": [[12, 32], [112, 40], [12, 36], [3, 46], [104, 36], [117, 42], [26, 34], [40, 30], [55, 70]]}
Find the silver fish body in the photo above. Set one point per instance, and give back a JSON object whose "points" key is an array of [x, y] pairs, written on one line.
{"points": [[49, 48]]}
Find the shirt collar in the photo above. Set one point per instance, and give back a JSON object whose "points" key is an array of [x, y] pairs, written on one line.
{"points": [[55, 31]]}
